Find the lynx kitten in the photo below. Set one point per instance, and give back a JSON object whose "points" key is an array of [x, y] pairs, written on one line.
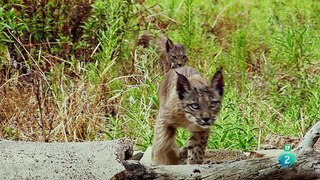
{"points": [[171, 55], [186, 101]]}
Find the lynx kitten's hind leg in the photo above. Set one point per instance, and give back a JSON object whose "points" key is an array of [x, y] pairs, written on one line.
{"points": [[164, 149]]}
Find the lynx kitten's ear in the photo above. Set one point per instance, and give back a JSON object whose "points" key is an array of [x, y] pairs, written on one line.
{"points": [[183, 85], [169, 45], [217, 82]]}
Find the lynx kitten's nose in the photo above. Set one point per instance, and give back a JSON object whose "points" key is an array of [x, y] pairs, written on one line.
{"points": [[176, 66], [205, 119]]}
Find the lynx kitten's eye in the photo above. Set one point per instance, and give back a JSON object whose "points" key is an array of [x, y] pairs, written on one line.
{"points": [[194, 106], [174, 57], [214, 104]]}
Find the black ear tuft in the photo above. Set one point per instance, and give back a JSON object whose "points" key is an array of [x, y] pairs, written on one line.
{"points": [[169, 45], [217, 81], [183, 85]]}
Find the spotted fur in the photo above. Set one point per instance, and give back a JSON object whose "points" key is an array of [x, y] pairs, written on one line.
{"points": [[186, 101]]}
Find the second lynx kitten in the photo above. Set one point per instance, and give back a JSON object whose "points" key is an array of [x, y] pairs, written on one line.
{"points": [[172, 55], [186, 101]]}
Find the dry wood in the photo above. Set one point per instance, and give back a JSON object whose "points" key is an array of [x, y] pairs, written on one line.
{"points": [[105, 160], [307, 166], [72, 160]]}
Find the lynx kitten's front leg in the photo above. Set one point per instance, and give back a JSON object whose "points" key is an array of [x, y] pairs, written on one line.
{"points": [[195, 150], [197, 147]]}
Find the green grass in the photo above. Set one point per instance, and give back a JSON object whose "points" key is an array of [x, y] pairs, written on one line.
{"points": [[97, 86]]}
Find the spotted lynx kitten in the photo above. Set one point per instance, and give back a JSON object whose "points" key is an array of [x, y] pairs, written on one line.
{"points": [[186, 101], [172, 55]]}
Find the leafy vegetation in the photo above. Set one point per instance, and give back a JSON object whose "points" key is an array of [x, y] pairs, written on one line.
{"points": [[70, 71]]}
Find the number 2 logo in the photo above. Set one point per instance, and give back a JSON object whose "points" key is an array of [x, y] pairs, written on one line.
{"points": [[287, 158]]}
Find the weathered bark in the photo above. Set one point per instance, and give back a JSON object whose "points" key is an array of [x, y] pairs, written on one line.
{"points": [[106, 159], [307, 166], [72, 160]]}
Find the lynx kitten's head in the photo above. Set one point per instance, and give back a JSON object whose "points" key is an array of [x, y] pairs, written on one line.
{"points": [[176, 54], [201, 104]]}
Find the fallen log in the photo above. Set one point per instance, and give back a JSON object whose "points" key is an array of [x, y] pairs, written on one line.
{"points": [[72, 160], [107, 159], [306, 166]]}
